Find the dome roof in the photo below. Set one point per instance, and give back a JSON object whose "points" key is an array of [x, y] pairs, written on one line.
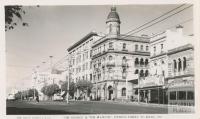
{"points": [[113, 16]]}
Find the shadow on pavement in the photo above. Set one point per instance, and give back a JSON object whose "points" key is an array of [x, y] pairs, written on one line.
{"points": [[34, 111]]}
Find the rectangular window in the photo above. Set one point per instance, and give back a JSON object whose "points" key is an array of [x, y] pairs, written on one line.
{"points": [[110, 45], [172, 95], [190, 95], [141, 47], [124, 46], [136, 47], [154, 49], [181, 95], [147, 48]]}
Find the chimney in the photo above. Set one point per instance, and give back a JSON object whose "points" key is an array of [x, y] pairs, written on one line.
{"points": [[179, 29]]}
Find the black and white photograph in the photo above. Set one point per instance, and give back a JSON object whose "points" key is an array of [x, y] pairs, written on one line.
{"points": [[127, 59]]}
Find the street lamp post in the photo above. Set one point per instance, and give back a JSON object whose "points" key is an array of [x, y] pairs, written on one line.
{"points": [[51, 62]]}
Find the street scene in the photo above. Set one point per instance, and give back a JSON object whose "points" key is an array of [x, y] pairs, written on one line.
{"points": [[100, 59]]}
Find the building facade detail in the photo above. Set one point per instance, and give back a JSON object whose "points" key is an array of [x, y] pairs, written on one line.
{"points": [[135, 68]]}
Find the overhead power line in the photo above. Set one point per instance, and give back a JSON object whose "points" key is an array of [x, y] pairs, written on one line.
{"points": [[155, 18], [160, 20]]}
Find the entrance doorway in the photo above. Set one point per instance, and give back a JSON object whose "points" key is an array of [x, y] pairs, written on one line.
{"points": [[110, 92]]}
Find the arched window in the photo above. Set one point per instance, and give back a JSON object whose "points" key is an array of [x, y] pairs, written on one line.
{"points": [[110, 58], [184, 63], [124, 73], [146, 62], [141, 61], [146, 73], [179, 64], [141, 73], [136, 71], [124, 58], [175, 65], [124, 61], [136, 61], [136, 47], [123, 91]]}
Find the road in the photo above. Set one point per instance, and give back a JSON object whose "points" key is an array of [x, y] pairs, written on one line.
{"points": [[80, 107]]}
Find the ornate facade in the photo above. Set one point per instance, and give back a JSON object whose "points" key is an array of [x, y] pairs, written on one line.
{"points": [[135, 68]]}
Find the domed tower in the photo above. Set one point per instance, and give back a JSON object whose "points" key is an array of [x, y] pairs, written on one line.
{"points": [[113, 22]]}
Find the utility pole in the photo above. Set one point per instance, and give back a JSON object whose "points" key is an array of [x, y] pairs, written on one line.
{"points": [[51, 62]]}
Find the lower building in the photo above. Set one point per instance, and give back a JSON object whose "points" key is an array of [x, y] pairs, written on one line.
{"points": [[180, 83]]}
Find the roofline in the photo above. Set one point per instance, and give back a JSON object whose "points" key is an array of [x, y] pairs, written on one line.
{"points": [[82, 40]]}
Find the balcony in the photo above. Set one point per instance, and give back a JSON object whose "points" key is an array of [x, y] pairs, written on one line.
{"points": [[110, 64]]}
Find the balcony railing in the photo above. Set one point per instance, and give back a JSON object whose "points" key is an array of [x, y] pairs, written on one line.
{"points": [[110, 64]]}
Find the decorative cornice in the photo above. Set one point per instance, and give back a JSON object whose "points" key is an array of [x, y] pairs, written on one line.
{"points": [[123, 38], [121, 52], [180, 76], [82, 40], [180, 49]]}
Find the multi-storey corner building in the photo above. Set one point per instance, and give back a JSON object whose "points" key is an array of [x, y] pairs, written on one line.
{"points": [[118, 60], [80, 58], [156, 69]]}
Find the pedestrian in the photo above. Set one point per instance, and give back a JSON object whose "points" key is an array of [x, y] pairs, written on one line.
{"points": [[37, 98]]}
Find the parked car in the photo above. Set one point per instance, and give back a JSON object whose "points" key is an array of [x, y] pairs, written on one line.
{"points": [[11, 97], [57, 97]]}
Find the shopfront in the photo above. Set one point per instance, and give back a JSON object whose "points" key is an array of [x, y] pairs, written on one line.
{"points": [[181, 92]]}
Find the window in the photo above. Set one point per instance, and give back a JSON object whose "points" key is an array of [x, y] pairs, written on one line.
{"points": [[90, 77], [123, 91], [175, 65], [184, 63], [181, 95], [136, 71], [146, 62], [124, 73], [163, 73], [141, 47], [179, 64], [161, 45], [154, 49], [124, 46], [172, 95], [146, 73], [110, 58], [136, 47], [124, 60], [141, 73], [110, 45], [141, 61], [147, 48], [155, 64], [104, 47], [136, 61], [162, 62], [190, 95]]}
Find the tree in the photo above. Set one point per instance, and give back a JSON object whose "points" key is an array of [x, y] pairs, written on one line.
{"points": [[10, 13], [50, 90], [72, 88], [84, 86], [31, 93], [18, 95]]}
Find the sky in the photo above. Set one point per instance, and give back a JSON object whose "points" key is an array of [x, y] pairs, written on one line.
{"points": [[52, 29]]}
